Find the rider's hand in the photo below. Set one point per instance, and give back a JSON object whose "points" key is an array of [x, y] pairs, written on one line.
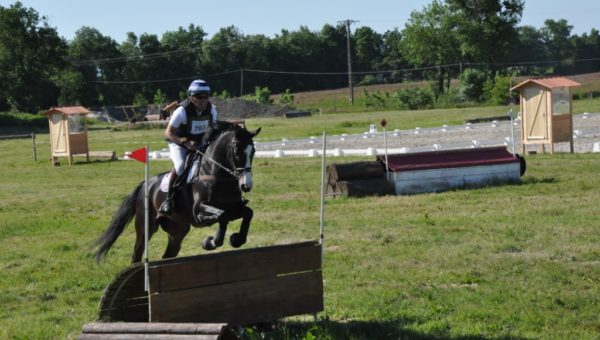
{"points": [[190, 145]]}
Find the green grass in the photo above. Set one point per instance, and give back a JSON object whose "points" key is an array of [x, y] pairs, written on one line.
{"points": [[515, 261]]}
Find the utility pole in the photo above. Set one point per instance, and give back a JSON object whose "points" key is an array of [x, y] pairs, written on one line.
{"points": [[241, 81], [349, 22]]}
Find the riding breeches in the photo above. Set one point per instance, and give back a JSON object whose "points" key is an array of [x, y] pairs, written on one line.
{"points": [[178, 154]]}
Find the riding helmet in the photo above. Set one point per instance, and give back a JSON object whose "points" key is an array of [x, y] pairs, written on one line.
{"points": [[198, 86]]}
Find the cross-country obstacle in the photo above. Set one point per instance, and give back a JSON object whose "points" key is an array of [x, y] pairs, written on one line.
{"points": [[435, 171], [357, 179], [238, 287]]}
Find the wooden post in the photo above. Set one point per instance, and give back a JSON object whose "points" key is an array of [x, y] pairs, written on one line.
{"points": [[33, 146]]}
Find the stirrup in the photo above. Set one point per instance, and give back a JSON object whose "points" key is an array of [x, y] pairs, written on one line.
{"points": [[166, 208]]}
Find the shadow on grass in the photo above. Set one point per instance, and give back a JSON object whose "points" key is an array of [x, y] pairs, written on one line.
{"points": [[535, 180], [327, 329]]}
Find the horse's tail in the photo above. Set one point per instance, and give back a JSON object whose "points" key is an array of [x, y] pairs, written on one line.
{"points": [[121, 219]]}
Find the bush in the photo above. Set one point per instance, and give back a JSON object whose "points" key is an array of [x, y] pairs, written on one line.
{"points": [[223, 95], [286, 98], [140, 100], [471, 84], [160, 97], [261, 95], [498, 91], [369, 79], [14, 119], [414, 98], [376, 100], [454, 98]]}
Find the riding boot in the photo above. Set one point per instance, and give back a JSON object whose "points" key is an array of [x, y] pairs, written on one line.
{"points": [[166, 208]]}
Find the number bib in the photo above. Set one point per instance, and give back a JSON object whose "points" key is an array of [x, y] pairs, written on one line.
{"points": [[198, 127]]}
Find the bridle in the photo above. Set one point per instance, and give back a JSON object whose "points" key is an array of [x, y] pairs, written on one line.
{"points": [[233, 171]]}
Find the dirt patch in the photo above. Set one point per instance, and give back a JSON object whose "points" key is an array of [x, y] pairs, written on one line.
{"points": [[232, 108], [235, 108]]}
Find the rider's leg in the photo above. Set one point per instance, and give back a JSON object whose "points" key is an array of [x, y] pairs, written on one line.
{"points": [[167, 206], [178, 154]]}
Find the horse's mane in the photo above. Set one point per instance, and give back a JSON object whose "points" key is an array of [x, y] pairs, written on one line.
{"points": [[217, 128]]}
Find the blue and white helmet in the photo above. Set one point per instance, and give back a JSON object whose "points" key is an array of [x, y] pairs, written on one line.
{"points": [[198, 86]]}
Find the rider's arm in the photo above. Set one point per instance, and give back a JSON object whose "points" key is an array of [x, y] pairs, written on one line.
{"points": [[171, 131], [171, 135]]}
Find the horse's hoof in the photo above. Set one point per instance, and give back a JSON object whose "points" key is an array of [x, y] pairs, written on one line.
{"points": [[236, 241], [209, 243]]}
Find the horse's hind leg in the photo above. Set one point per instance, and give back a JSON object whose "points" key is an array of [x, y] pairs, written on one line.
{"points": [[238, 239], [213, 242], [177, 233]]}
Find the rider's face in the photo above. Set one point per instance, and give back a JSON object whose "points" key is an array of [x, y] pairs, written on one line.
{"points": [[200, 101]]}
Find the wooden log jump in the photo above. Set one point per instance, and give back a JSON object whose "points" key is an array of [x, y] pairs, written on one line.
{"points": [[233, 287], [144, 330]]}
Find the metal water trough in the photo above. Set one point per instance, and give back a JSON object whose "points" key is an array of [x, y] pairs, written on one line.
{"points": [[451, 169]]}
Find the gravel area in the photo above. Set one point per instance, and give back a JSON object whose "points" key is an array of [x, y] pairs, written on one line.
{"points": [[586, 133]]}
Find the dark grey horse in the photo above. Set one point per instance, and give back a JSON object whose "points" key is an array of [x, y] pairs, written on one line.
{"points": [[215, 195]]}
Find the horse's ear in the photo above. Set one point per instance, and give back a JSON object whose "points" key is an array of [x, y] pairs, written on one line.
{"points": [[255, 133]]}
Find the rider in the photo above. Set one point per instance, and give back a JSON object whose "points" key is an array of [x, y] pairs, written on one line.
{"points": [[185, 132]]}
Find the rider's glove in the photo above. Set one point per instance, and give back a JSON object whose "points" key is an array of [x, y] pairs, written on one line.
{"points": [[190, 145]]}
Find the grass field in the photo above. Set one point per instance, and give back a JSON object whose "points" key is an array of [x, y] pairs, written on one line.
{"points": [[515, 261]]}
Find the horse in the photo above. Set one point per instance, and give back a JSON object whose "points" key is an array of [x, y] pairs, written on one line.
{"points": [[214, 195]]}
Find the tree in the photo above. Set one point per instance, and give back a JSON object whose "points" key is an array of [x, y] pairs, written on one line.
{"points": [[556, 36], [90, 53], [31, 54], [392, 58], [368, 45], [587, 47], [429, 39], [486, 29], [530, 48]]}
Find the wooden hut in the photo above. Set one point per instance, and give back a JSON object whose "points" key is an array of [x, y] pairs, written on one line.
{"points": [[546, 112], [167, 111], [68, 132]]}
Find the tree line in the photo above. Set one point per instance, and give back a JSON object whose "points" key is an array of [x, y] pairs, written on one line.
{"points": [[40, 69]]}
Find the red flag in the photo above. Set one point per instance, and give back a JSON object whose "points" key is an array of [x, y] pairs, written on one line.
{"points": [[139, 155]]}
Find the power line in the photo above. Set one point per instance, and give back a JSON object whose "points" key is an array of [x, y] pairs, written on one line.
{"points": [[161, 80], [414, 69]]}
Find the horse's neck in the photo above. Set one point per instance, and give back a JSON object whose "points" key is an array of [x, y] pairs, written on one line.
{"points": [[215, 153]]}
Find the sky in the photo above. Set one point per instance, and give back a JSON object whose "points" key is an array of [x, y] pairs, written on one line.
{"points": [[115, 18]]}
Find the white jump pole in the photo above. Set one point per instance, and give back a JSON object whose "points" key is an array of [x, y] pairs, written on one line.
{"points": [[322, 212], [512, 130], [322, 215], [146, 226], [385, 148]]}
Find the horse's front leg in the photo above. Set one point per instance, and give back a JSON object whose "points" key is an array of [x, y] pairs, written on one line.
{"points": [[238, 239], [213, 242]]}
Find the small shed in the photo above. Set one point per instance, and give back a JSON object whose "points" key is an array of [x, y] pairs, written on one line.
{"points": [[546, 112], [68, 132]]}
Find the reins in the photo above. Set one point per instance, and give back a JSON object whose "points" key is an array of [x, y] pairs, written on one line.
{"points": [[236, 172]]}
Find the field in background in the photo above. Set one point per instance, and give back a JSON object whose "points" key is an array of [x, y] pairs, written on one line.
{"points": [[335, 101], [517, 261]]}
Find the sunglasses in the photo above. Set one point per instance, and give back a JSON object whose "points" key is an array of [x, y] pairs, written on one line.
{"points": [[200, 96]]}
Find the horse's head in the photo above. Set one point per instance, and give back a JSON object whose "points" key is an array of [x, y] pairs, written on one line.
{"points": [[240, 156], [231, 154]]}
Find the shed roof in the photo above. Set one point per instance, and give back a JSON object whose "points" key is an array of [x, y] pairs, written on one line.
{"points": [[68, 110], [548, 83], [171, 106]]}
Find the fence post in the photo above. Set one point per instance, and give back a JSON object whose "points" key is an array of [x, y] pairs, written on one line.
{"points": [[33, 146]]}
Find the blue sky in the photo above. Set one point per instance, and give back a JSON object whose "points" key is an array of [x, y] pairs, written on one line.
{"points": [[115, 18]]}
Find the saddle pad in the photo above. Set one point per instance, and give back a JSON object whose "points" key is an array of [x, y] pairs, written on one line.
{"points": [[164, 183]]}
